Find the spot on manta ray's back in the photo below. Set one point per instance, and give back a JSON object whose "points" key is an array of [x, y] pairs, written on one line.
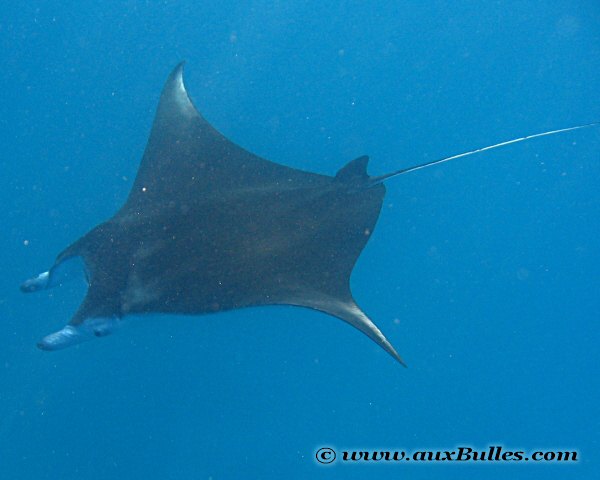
{"points": [[209, 227]]}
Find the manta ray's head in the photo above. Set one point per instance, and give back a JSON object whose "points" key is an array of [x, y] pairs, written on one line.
{"points": [[82, 327]]}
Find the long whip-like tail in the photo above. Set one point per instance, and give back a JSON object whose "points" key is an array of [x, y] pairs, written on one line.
{"points": [[381, 178]]}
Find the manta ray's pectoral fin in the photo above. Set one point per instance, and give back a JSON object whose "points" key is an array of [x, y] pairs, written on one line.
{"points": [[351, 313], [74, 334]]}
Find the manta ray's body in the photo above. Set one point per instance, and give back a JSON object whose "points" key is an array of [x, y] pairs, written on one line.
{"points": [[210, 227]]}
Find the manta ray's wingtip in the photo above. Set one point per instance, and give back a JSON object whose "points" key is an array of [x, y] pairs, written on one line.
{"points": [[348, 311], [387, 346], [179, 66], [351, 313], [366, 325], [399, 358], [176, 75]]}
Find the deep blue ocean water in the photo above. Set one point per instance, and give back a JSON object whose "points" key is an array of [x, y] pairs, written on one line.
{"points": [[482, 272]]}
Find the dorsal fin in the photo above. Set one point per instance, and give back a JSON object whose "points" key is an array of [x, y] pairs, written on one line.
{"points": [[354, 171]]}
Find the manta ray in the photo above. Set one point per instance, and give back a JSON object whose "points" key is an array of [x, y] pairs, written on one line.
{"points": [[210, 227]]}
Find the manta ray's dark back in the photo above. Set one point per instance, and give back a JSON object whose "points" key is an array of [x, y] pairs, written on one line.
{"points": [[210, 227]]}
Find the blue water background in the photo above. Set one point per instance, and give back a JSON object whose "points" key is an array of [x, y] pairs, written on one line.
{"points": [[482, 272]]}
